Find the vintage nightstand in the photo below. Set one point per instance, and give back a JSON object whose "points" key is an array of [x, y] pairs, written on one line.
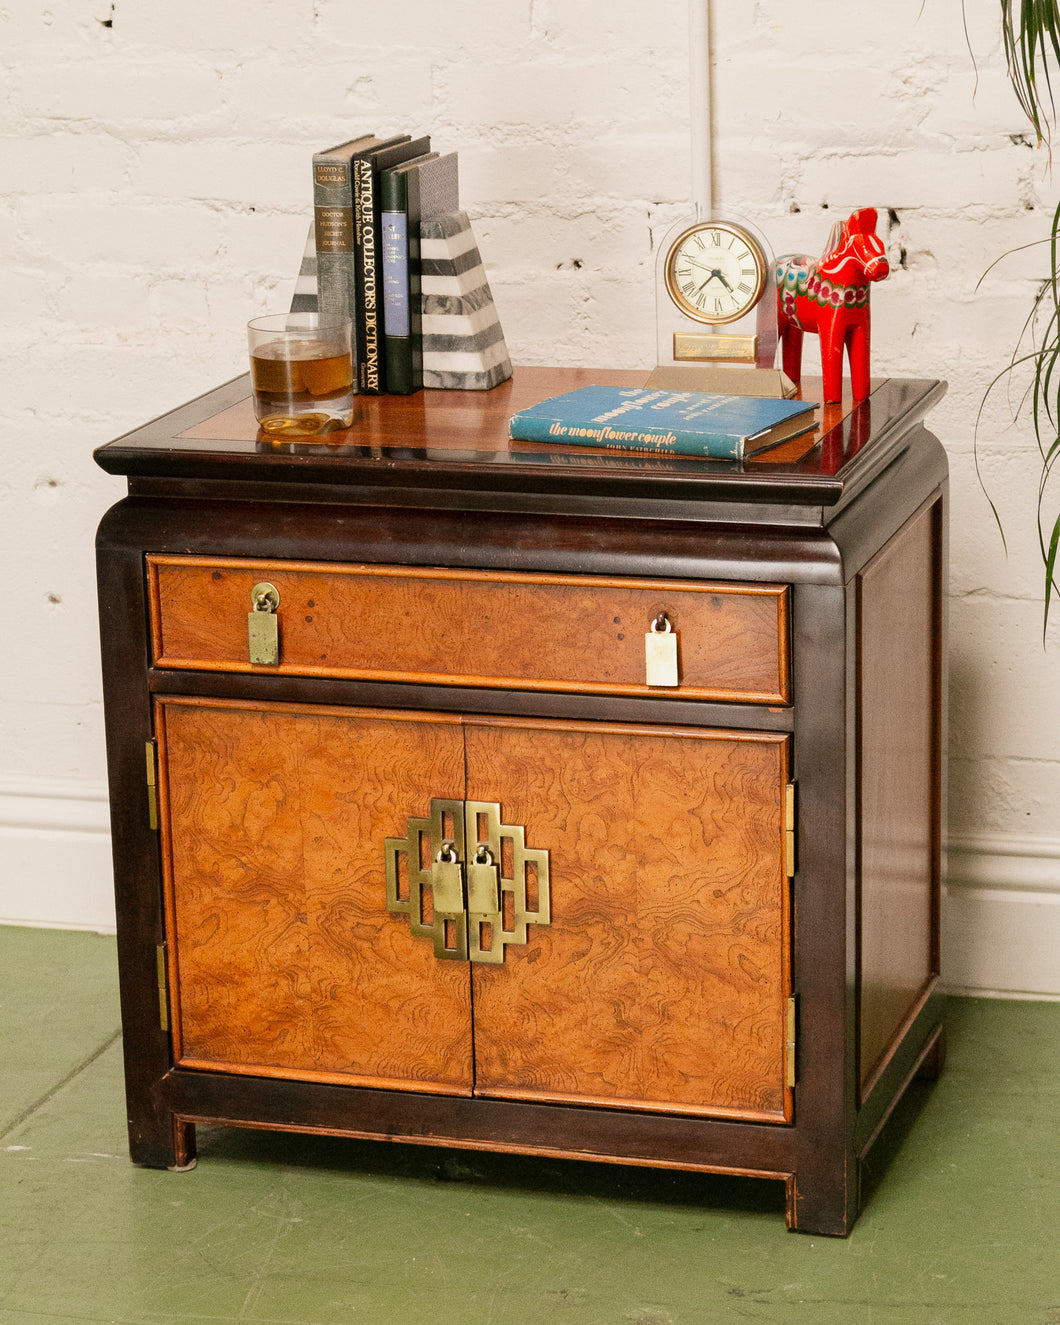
{"points": [[422, 856]]}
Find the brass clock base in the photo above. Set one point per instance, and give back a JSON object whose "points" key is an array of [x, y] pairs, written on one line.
{"points": [[723, 381]]}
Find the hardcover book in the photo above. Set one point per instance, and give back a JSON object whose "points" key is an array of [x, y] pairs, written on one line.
{"points": [[367, 167], [415, 191], [665, 422], [333, 226]]}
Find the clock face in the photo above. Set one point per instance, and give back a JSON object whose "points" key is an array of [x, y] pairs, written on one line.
{"points": [[715, 272]]}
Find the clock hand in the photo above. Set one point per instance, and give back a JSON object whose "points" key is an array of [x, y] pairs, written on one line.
{"points": [[716, 274]]}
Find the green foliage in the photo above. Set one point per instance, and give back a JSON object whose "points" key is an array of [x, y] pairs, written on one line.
{"points": [[1031, 33], [1045, 405]]}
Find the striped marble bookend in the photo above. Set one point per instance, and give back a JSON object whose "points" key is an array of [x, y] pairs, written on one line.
{"points": [[463, 344], [304, 299]]}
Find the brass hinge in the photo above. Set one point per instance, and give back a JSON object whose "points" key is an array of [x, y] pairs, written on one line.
{"points": [[163, 986], [789, 1045], [789, 830], [152, 786]]}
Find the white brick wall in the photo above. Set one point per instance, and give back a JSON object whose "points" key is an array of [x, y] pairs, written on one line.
{"points": [[155, 193]]}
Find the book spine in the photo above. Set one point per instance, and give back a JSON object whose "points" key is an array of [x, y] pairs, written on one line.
{"points": [[333, 235], [397, 285], [368, 277], [657, 441]]}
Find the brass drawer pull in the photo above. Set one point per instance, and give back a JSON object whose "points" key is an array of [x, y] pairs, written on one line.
{"points": [[447, 882], [263, 625], [660, 653]]}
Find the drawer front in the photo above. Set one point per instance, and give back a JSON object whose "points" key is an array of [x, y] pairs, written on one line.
{"points": [[473, 628]]}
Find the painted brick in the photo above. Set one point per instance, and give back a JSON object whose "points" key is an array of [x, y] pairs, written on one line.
{"points": [[531, 246], [525, 173], [912, 178], [248, 173], [50, 163], [119, 385], [982, 562], [52, 742], [203, 27], [178, 302], [971, 104], [1001, 641], [31, 295], [30, 31], [619, 25], [633, 166], [101, 302], [266, 243], [459, 28], [122, 233], [164, 94], [533, 173], [631, 91], [328, 101], [814, 122]]}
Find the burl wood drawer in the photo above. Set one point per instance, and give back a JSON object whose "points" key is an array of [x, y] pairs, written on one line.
{"points": [[473, 628]]}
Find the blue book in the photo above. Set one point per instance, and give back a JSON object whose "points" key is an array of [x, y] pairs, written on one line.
{"points": [[665, 422]]}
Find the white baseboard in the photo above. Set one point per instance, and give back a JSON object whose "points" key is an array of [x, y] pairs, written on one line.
{"points": [[55, 862], [1001, 916], [1000, 911]]}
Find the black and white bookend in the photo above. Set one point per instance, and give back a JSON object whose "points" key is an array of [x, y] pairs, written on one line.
{"points": [[304, 299], [463, 344]]}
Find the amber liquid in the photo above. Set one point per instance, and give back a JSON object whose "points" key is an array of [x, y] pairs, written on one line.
{"points": [[305, 382]]}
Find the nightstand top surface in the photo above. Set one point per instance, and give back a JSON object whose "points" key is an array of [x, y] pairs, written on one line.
{"points": [[453, 441]]}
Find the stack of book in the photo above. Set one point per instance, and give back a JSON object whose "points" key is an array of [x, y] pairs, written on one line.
{"points": [[370, 196]]}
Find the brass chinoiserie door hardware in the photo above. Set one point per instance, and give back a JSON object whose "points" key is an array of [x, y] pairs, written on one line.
{"points": [[467, 881], [263, 626]]}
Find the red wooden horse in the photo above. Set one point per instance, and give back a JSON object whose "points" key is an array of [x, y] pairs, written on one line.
{"points": [[831, 297]]}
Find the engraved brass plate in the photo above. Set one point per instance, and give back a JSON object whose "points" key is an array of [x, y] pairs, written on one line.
{"points": [[699, 346], [448, 876]]}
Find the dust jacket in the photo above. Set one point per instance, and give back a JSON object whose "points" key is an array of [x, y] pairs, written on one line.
{"points": [[694, 423]]}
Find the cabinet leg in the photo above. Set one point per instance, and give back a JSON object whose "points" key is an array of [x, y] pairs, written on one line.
{"points": [[824, 1202], [164, 1143]]}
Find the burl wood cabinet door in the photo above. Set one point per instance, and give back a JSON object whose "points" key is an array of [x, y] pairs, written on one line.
{"points": [[283, 959], [661, 982]]}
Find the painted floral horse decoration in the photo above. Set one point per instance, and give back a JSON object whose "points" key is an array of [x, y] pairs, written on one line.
{"points": [[831, 297]]}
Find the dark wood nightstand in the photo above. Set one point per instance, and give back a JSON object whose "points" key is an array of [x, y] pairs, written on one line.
{"points": [[445, 868]]}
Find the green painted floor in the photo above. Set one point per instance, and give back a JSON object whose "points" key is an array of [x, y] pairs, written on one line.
{"points": [[962, 1225]]}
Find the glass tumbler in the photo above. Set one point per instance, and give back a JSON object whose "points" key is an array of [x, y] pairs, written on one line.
{"points": [[301, 369]]}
